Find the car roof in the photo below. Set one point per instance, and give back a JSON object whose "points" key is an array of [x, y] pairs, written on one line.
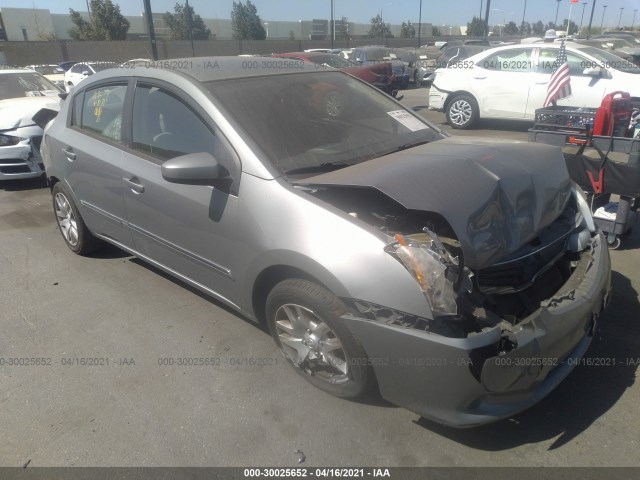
{"points": [[207, 69]]}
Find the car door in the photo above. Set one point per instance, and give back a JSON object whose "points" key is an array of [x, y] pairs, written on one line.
{"points": [[500, 83], [93, 148], [586, 90], [188, 229]]}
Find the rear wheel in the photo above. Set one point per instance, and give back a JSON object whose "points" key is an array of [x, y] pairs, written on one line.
{"points": [[74, 232], [462, 112], [304, 321]]}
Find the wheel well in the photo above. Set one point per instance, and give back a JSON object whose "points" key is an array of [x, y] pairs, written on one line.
{"points": [[52, 181], [268, 279]]}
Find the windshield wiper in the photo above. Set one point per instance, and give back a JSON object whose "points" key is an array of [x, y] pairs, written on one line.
{"points": [[323, 167], [406, 146]]}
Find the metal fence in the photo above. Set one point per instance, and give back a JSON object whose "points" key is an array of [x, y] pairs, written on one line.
{"points": [[28, 53]]}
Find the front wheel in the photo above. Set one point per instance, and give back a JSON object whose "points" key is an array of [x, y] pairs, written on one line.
{"points": [[304, 320], [462, 112]]}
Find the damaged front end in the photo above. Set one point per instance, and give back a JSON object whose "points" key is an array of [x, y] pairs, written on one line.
{"points": [[502, 333]]}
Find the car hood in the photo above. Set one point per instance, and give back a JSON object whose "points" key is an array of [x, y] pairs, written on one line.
{"points": [[496, 195], [18, 112]]}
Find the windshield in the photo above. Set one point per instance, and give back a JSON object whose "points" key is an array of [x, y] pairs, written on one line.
{"points": [[335, 61], [27, 84], [49, 70], [610, 60], [307, 123]]}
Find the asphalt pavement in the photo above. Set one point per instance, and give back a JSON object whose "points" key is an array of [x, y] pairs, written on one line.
{"points": [[105, 334]]}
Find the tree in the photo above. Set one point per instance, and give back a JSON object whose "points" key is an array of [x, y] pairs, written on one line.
{"points": [[538, 28], [246, 23], [475, 28], [379, 29], [407, 30], [573, 28], [435, 32], [106, 23], [510, 28], [525, 28], [179, 26], [550, 26]]}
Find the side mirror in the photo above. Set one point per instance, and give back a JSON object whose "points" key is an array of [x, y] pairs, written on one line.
{"points": [[592, 71], [193, 169]]}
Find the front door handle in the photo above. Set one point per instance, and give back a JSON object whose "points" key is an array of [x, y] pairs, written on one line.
{"points": [[134, 185], [479, 77], [69, 154]]}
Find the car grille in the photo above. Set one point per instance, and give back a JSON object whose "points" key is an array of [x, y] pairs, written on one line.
{"points": [[16, 166], [521, 272]]}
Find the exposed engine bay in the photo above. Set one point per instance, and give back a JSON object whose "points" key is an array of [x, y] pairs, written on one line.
{"points": [[464, 301]]}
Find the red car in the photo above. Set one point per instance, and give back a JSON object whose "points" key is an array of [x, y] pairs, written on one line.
{"points": [[378, 74]]}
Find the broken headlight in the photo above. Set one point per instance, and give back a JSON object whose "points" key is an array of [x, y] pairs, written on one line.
{"points": [[6, 140], [435, 270]]}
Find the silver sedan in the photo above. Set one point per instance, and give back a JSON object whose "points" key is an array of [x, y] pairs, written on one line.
{"points": [[462, 278]]}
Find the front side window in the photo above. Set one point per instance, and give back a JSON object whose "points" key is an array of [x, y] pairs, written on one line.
{"points": [[511, 60], [547, 62], [102, 111], [165, 127]]}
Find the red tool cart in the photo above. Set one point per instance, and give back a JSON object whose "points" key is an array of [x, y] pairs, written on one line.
{"points": [[612, 127]]}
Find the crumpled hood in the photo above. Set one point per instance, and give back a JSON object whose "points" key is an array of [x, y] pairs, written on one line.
{"points": [[18, 112], [496, 195]]}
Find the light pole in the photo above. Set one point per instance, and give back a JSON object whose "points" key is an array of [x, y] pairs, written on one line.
{"points": [[620, 19], [420, 24], [188, 12], [266, 24], [593, 10], [481, 10], [633, 22], [557, 8], [333, 24], [524, 12], [584, 4], [604, 9]]}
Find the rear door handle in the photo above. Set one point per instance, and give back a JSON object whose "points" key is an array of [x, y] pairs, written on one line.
{"points": [[133, 185], [69, 154], [480, 77]]}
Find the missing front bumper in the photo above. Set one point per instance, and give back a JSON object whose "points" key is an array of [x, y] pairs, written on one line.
{"points": [[462, 382]]}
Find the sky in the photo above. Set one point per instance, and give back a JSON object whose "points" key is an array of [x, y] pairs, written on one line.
{"points": [[437, 12]]}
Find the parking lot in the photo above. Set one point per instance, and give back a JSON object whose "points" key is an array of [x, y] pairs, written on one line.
{"points": [[108, 328]]}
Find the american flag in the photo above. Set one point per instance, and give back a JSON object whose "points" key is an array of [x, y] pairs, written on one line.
{"points": [[560, 83]]}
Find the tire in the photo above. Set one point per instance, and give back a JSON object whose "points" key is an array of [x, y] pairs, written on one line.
{"points": [[302, 312], [73, 229], [462, 112]]}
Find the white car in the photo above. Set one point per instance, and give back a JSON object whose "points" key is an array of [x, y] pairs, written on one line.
{"points": [[53, 73], [22, 94], [82, 70], [511, 82]]}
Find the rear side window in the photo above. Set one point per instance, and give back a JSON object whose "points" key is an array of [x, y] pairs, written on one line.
{"points": [[102, 111], [511, 60]]}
